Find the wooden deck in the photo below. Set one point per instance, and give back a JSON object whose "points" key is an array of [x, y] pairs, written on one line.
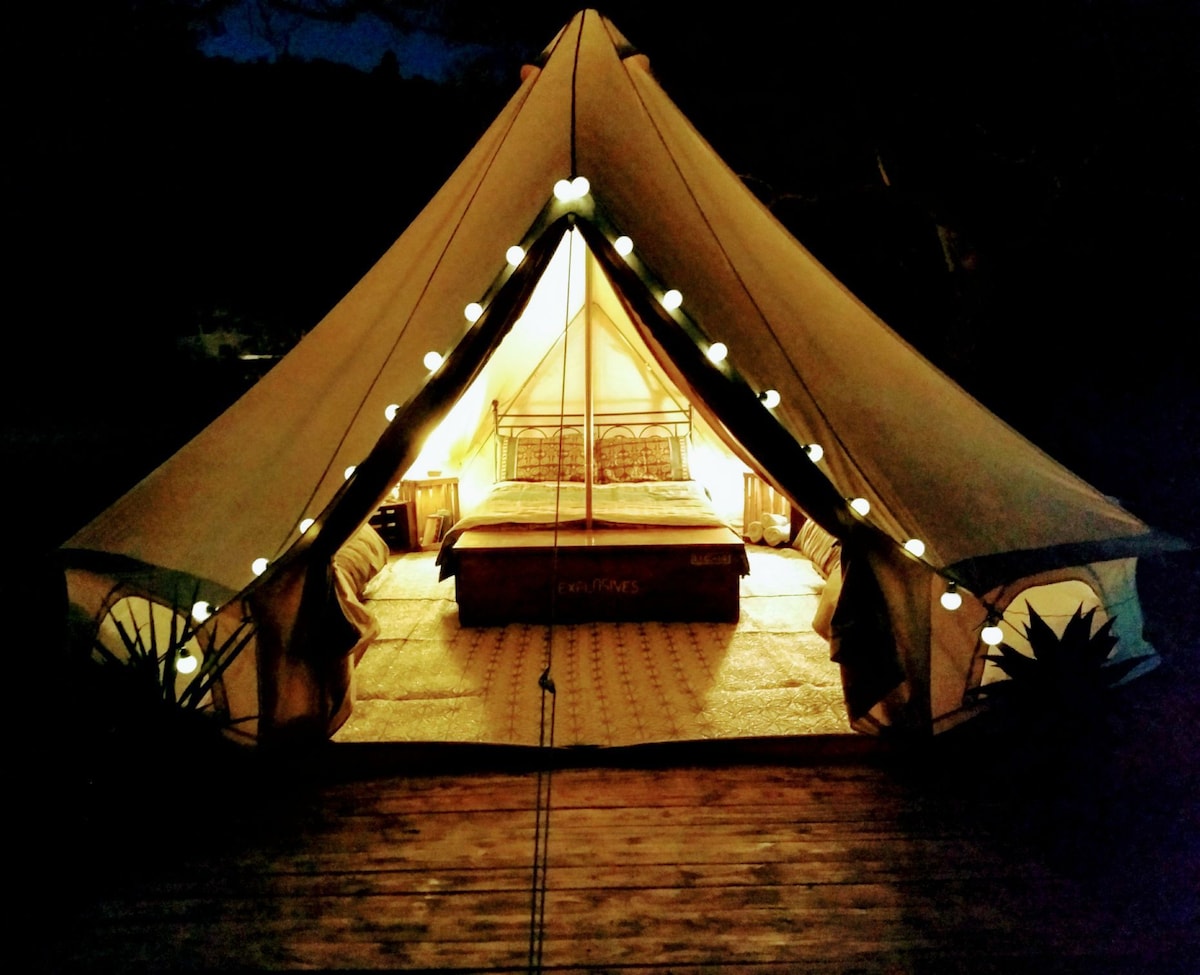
{"points": [[834, 858]]}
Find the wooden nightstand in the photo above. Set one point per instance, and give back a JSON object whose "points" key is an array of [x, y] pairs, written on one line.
{"points": [[759, 498], [396, 522], [429, 495]]}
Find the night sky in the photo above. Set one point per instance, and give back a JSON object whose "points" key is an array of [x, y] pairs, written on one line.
{"points": [[184, 165]]}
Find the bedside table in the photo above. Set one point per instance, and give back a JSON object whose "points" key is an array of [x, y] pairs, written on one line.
{"points": [[429, 495]]}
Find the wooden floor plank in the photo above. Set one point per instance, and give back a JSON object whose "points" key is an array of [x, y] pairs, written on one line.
{"points": [[873, 867]]}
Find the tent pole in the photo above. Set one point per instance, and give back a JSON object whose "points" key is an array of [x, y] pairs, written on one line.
{"points": [[588, 392]]}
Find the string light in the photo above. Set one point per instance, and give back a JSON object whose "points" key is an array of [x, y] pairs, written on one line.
{"points": [[815, 452], [515, 254], [390, 411], [769, 398], [201, 611], [566, 190], [915, 547], [473, 312], [991, 634], [717, 352], [185, 663], [623, 245], [951, 598], [432, 360], [349, 471], [861, 505], [259, 566], [306, 524], [672, 299]]}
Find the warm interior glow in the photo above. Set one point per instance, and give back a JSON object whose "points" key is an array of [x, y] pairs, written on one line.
{"points": [[432, 360], [306, 524], [770, 398], [914, 546], [201, 611], [515, 254], [445, 449], [259, 566], [185, 663], [717, 352], [623, 245], [473, 311], [672, 299], [992, 635], [861, 505]]}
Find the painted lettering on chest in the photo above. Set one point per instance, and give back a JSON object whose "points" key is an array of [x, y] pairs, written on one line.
{"points": [[607, 587]]}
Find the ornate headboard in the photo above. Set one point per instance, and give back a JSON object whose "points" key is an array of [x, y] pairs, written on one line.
{"points": [[649, 445]]}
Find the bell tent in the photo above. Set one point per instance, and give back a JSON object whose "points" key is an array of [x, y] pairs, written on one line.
{"points": [[244, 550]]}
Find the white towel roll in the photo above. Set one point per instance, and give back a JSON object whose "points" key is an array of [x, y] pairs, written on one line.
{"points": [[754, 531], [777, 535]]}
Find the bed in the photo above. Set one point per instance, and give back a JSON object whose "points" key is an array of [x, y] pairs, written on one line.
{"points": [[652, 547]]}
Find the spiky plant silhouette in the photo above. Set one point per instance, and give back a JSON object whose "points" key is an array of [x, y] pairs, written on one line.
{"points": [[141, 672], [1069, 674]]}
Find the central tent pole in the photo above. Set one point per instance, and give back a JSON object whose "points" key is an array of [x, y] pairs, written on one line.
{"points": [[588, 392]]}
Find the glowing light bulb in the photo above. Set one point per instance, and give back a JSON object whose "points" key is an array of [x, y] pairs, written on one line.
{"points": [[562, 190], [306, 524], [672, 299], [991, 634], [914, 546], [861, 505], [201, 611], [770, 398], [623, 245], [815, 452], [717, 352], [349, 471], [951, 598], [515, 254], [473, 311], [185, 663], [259, 566], [580, 187], [432, 360], [391, 410]]}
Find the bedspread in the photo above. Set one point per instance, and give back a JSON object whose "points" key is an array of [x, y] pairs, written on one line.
{"points": [[532, 505]]}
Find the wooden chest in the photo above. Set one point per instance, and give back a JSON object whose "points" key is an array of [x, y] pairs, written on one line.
{"points": [[611, 574]]}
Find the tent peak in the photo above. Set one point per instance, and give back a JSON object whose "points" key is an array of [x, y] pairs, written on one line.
{"points": [[587, 17]]}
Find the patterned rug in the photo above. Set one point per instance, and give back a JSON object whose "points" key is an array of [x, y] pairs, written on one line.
{"points": [[428, 679]]}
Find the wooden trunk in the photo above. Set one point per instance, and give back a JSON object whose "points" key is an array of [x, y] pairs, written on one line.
{"points": [[612, 574]]}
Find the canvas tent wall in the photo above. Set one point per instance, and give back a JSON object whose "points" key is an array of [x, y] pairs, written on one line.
{"points": [[989, 508]]}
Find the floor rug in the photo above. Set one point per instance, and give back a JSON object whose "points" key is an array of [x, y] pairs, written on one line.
{"points": [[428, 679]]}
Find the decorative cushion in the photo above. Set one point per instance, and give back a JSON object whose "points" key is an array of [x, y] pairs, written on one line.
{"points": [[621, 458], [538, 459]]}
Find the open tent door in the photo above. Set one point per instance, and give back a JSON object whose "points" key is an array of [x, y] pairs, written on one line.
{"points": [[573, 351]]}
